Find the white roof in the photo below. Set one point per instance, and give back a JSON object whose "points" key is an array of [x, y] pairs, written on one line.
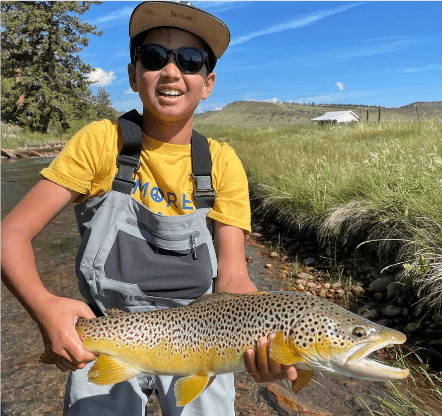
{"points": [[335, 115]]}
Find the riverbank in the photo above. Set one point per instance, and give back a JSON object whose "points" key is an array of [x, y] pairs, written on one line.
{"points": [[40, 150]]}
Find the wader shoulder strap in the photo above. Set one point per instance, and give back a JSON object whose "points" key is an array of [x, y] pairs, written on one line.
{"points": [[204, 193], [128, 161]]}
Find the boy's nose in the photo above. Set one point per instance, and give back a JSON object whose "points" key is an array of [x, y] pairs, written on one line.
{"points": [[171, 69]]}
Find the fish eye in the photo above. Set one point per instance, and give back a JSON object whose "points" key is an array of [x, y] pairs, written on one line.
{"points": [[359, 332]]}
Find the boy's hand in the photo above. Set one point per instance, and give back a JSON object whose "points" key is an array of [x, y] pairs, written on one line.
{"points": [[262, 368], [63, 346]]}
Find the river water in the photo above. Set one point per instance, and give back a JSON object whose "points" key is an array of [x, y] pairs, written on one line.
{"points": [[30, 388]]}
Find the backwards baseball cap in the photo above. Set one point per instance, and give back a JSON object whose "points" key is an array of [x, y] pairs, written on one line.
{"points": [[181, 15]]}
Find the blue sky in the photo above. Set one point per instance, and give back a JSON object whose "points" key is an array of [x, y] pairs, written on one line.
{"points": [[373, 53]]}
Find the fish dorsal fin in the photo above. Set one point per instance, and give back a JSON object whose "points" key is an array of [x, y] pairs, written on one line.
{"points": [[189, 388], [304, 377], [107, 370], [280, 352], [114, 311], [211, 297]]}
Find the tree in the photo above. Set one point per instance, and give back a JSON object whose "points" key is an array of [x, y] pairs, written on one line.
{"points": [[103, 105], [40, 45]]}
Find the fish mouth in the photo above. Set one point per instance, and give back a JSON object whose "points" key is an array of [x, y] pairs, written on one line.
{"points": [[357, 363]]}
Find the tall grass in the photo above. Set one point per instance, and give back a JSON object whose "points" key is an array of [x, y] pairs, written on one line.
{"points": [[14, 137], [374, 182]]}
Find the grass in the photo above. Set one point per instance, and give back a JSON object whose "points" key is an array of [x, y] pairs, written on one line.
{"points": [[419, 395], [14, 137], [378, 183]]}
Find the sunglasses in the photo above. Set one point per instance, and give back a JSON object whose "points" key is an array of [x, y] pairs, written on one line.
{"points": [[188, 59]]}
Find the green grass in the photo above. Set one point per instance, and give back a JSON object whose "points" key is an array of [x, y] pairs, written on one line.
{"points": [[14, 137], [379, 183], [419, 395]]}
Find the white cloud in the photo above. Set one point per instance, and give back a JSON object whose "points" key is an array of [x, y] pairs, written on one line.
{"points": [[116, 15], [129, 91], [294, 23], [218, 108], [422, 68], [273, 100], [101, 78], [340, 85]]}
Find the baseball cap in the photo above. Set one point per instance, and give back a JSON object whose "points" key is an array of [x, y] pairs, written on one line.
{"points": [[181, 15]]}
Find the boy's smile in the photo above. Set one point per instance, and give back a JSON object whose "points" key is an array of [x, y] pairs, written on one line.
{"points": [[169, 95]]}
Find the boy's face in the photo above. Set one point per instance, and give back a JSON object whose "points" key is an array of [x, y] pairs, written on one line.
{"points": [[169, 94]]}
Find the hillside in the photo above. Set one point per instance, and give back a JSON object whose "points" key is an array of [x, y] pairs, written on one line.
{"points": [[254, 113]]}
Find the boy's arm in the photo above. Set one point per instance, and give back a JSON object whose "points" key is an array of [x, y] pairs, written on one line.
{"points": [[233, 277], [55, 316]]}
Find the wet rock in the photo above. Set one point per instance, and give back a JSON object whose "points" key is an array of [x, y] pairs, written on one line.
{"points": [[10, 154], [22, 155], [393, 290], [273, 254], [309, 261], [269, 266], [371, 314], [380, 284], [358, 290], [385, 322], [378, 296], [288, 404], [412, 327], [392, 311], [33, 153]]}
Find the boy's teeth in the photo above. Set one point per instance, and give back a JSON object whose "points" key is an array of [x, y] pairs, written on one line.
{"points": [[170, 92]]}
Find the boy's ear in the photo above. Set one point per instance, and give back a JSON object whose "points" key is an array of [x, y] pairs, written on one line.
{"points": [[208, 86], [132, 72]]}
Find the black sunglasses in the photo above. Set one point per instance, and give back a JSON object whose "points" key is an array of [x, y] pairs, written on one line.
{"points": [[189, 60]]}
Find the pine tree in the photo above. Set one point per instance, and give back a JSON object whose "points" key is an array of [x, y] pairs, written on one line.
{"points": [[103, 105], [40, 45]]}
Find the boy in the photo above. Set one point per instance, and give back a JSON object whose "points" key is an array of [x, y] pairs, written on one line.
{"points": [[146, 244]]}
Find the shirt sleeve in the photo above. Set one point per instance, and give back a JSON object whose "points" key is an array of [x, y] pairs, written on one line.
{"points": [[232, 205], [79, 163]]}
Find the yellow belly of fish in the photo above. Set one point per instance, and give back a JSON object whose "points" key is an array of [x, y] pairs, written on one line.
{"points": [[119, 362], [163, 359]]}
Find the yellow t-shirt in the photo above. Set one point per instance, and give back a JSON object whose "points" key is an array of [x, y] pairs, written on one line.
{"points": [[87, 164]]}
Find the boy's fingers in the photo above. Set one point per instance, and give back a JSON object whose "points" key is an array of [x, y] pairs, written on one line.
{"points": [[274, 367], [250, 363], [261, 359]]}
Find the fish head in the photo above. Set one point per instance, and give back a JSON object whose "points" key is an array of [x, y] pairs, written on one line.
{"points": [[334, 339]]}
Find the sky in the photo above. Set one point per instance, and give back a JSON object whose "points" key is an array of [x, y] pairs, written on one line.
{"points": [[325, 52]]}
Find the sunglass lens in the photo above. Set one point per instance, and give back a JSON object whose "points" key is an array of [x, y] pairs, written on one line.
{"points": [[190, 60], [153, 57]]}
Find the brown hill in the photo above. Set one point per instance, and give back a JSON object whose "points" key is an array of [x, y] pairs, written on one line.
{"points": [[254, 113]]}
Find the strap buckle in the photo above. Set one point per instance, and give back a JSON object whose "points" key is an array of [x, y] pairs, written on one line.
{"points": [[203, 187]]}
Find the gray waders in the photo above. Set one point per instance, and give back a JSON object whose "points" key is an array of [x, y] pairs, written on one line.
{"points": [[136, 260]]}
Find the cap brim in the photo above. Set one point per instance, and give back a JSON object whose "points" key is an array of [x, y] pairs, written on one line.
{"points": [[151, 14]]}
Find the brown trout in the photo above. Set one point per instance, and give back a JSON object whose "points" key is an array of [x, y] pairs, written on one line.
{"points": [[209, 337]]}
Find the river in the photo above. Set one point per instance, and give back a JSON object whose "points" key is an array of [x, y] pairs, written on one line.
{"points": [[30, 388]]}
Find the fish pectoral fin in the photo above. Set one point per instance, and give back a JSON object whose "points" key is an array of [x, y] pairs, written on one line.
{"points": [[189, 388], [107, 370], [280, 352], [304, 377]]}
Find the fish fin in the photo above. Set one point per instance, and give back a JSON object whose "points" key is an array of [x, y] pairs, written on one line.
{"points": [[211, 297], [114, 311], [45, 359], [107, 370], [304, 377], [280, 352], [189, 388]]}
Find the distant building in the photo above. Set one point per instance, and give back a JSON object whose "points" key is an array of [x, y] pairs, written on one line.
{"points": [[337, 117]]}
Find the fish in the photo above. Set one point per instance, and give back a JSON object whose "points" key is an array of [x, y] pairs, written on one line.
{"points": [[210, 336]]}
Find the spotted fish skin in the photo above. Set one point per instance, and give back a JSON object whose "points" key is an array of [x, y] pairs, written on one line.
{"points": [[210, 336]]}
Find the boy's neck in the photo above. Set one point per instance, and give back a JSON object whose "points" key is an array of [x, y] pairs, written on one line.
{"points": [[176, 132]]}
